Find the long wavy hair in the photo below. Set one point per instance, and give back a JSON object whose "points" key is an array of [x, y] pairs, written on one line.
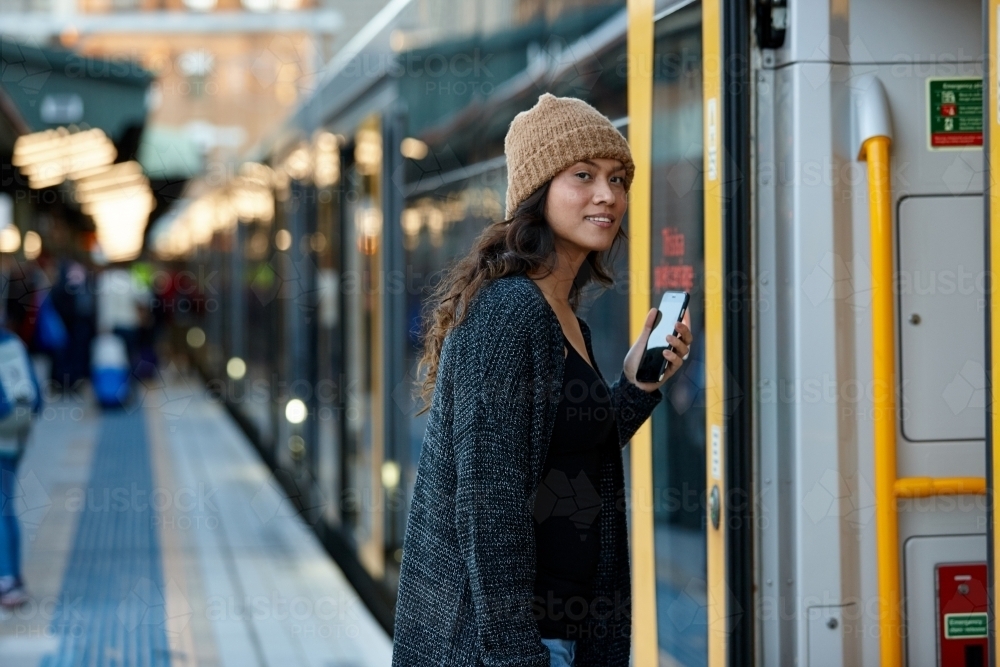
{"points": [[523, 244]]}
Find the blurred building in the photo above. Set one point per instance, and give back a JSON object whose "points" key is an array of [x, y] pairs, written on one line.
{"points": [[226, 71]]}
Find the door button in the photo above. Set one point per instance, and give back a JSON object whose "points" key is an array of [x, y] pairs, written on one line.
{"points": [[714, 506]]}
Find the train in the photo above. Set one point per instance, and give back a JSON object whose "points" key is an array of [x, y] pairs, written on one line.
{"points": [[815, 487]]}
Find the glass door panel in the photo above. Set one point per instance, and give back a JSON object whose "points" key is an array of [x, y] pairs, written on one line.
{"points": [[677, 263]]}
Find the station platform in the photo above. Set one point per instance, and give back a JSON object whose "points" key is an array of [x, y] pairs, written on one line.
{"points": [[154, 535]]}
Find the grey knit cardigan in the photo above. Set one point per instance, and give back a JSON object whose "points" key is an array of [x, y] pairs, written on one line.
{"points": [[468, 570]]}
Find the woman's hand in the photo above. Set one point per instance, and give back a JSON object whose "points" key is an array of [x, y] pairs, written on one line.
{"points": [[681, 344]]}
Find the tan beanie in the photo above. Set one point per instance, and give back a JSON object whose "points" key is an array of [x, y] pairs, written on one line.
{"points": [[553, 135]]}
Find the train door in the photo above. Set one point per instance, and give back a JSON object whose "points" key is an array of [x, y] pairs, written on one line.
{"points": [[690, 475], [842, 513], [868, 183]]}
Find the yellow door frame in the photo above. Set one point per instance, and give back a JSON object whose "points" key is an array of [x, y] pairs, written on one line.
{"points": [[715, 459], [640, 131]]}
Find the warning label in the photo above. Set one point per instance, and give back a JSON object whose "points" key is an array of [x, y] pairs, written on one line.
{"points": [[956, 113], [965, 626]]}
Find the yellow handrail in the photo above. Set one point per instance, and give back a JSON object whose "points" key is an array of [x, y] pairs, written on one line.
{"points": [[888, 488], [924, 487], [876, 151]]}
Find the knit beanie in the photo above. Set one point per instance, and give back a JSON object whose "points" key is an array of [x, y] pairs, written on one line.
{"points": [[555, 134]]}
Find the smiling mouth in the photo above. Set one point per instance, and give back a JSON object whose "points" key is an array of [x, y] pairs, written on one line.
{"points": [[601, 220]]}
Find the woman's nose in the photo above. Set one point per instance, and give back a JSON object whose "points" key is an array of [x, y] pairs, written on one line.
{"points": [[603, 192]]}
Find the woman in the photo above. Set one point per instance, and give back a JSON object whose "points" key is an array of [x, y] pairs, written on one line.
{"points": [[516, 550]]}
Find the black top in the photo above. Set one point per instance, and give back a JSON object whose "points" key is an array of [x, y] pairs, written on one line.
{"points": [[568, 501]]}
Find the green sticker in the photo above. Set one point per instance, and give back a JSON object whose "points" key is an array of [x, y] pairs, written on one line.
{"points": [[964, 626], [956, 113]]}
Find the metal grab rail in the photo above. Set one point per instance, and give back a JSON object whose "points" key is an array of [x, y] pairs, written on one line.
{"points": [[875, 142], [924, 487], [876, 151]]}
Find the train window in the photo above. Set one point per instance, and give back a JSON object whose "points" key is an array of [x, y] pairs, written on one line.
{"points": [[677, 246]]}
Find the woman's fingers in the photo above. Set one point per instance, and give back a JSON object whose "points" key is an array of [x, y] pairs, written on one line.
{"points": [[680, 347], [684, 332], [678, 344]]}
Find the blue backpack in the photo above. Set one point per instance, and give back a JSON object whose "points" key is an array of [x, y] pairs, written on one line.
{"points": [[20, 393]]}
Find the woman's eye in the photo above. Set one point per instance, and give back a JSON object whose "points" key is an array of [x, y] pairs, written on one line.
{"points": [[618, 179], [583, 174]]}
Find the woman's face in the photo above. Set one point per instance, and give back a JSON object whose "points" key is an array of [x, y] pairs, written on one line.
{"points": [[585, 204]]}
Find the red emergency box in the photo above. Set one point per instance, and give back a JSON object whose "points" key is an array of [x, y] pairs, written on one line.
{"points": [[962, 625]]}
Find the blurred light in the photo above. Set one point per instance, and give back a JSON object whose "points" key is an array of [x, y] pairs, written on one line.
{"points": [[109, 183], [283, 240], [390, 475], [258, 5], [296, 446], [201, 5], [326, 159], [69, 36], [120, 227], [317, 242], [196, 63], [282, 185], [295, 411], [50, 157], [397, 40], [10, 239], [410, 221], [236, 368], [298, 164], [195, 337], [258, 245], [258, 173], [32, 245], [435, 220], [368, 151], [251, 201], [413, 148], [119, 200], [368, 227], [248, 197]]}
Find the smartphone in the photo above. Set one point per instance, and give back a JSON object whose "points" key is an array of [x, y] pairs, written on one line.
{"points": [[653, 364]]}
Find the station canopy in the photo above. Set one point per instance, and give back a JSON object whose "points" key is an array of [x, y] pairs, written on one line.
{"points": [[82, 120]]}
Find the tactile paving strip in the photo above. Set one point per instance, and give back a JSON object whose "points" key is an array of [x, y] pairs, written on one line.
{"points": [[111, 611]]}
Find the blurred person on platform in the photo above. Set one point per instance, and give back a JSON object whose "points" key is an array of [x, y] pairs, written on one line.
{"points": [[73, 297], [122, 307], [147, 300], [20, 400]]}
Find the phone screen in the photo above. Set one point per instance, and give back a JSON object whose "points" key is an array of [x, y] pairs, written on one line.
{"points": [[671, 310]]}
